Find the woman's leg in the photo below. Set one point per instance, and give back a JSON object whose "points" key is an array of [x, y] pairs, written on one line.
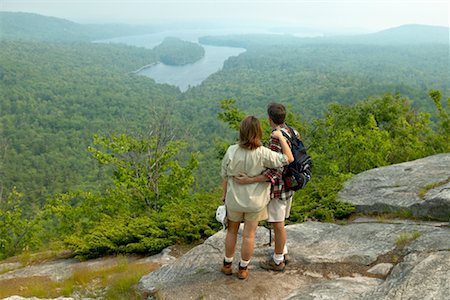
{"points": [[248, 239], [231, 238]]}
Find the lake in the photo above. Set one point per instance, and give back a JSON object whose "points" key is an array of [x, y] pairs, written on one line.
{"points": [[192, 74], [188, 75]]}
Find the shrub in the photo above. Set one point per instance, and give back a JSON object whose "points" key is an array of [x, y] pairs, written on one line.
{"points": [[318, 201], [184, 221]]}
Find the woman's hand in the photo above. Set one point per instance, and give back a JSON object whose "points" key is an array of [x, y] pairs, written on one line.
{"points": [[277, 134], [284, 145]]}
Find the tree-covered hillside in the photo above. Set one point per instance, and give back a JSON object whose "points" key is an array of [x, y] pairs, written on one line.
{"points": [[111, 162], [55, 97], [28, 26], [176, 52], [402, 35], [310, 77], [314, 74]]}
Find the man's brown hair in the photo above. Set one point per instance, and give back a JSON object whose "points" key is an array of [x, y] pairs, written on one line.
{"points": [[276, 112], [250, 133]]}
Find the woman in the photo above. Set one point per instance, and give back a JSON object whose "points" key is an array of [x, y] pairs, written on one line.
{"points": [[248, 202]]}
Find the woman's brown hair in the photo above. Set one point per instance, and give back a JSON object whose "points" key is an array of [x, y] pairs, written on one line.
{"points": [[250, 133]]}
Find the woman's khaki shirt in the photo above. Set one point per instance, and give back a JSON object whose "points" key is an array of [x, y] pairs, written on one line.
{"points": [[237, 160]]}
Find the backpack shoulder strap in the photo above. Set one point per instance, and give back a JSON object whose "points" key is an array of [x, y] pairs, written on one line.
{"points": [[293, 136], [287, 136]]}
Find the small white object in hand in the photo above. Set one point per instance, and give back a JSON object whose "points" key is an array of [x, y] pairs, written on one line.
{"points": [[221, 215]]}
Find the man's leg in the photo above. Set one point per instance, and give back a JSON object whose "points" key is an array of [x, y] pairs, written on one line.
{"points": [[278, 211], [276, 262], [280, 237]]}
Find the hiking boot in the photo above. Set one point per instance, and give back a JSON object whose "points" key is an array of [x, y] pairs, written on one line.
{"points": [[243, 272], [287, 259], [271, 265], [227, 268]]}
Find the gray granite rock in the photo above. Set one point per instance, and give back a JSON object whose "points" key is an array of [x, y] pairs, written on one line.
{"points": [[381, 269], [5, 267], [434, 241], [397, 188], [56, 271], [420, 276], [435, 205], [313, 242], [62, 269], [345, 288], [328, 261]]}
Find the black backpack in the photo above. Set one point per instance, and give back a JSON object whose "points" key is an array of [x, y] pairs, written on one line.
{"points": [[299, 171]]}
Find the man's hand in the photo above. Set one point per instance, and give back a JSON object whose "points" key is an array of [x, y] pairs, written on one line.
{"points": [[243, 179]]}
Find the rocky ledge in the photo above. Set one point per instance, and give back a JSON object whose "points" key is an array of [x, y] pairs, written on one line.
{"points": [[370, 258], [328, 261], [420, 188]]}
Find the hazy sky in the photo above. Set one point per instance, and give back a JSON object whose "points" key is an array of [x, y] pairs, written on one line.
{"points": [[369, 15]]}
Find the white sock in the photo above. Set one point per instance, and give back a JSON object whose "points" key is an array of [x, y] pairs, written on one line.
{"points": [[228, 259], [278, 258], [285, 249], [244, 263]]}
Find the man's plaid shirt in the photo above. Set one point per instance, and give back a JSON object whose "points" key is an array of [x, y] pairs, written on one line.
{"points": [[279, 185]]}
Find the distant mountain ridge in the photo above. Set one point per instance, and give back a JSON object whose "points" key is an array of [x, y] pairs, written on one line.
{"points": [[30, 26], [410, 34], [407, 34], [397, 36]]}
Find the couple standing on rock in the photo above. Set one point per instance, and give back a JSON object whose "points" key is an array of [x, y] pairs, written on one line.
{"points": [[254, 189]]}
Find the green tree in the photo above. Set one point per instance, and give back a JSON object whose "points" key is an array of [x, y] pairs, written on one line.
{"points": [[145, 167], [174, 51], [17, 230], [369, 134], [150, 206], [440, 142]]}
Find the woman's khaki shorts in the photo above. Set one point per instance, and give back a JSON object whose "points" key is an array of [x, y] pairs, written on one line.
{"points": [[238, 216]]}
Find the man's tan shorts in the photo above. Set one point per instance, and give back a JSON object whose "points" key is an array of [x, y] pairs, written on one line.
{"points": [[279, 210], [236, 216]]}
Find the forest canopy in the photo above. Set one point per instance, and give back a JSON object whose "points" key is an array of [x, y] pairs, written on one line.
{"points": [[107, 161], [176, 52]]}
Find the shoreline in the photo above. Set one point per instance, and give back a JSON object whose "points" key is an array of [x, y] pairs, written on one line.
{"points": [[143, 67]]}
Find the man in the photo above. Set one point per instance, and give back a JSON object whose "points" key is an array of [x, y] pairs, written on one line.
{"points": [[281, 199]]}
